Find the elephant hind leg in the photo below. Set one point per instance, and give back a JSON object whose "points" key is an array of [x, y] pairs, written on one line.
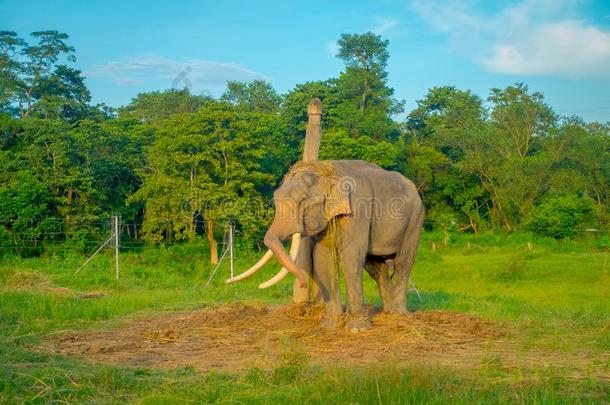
{"points": [[379, 271], [403, 263]]}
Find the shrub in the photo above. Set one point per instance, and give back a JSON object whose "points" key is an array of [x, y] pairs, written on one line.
{"points": [[603, 243], [561, 217]]}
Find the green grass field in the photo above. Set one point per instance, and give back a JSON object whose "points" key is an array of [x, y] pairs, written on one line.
{"points": [[552, 300]]}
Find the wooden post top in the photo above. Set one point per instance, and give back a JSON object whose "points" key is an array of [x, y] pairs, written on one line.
{"points": [[313, 133], [314, 107]]}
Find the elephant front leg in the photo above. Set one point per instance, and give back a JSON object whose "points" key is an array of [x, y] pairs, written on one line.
{"points": [[305, 262], [327, 277], [353, 264]]}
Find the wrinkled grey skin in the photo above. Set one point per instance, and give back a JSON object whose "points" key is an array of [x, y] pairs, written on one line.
{"points": [[379, 215]]}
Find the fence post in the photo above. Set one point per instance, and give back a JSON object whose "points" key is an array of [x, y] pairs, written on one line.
{"points": [[231, 247], [224, 253], [116, 245]]}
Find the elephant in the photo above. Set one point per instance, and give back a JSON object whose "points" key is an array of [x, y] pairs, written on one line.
{"points": [[359, 217]]}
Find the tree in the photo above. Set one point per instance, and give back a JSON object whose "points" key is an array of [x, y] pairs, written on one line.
{"points": [[561, 217], [338, 144], [177, 165], [26, 209], [112, 150], [521, 118], [367, 55], [581, 163], [205, 165], [358, 106], [376, 119], [257, 96], [366, 51], [156, 107], [294, 117], [64, 95], [39, 63], [294, 105], [446, 154], [83, 172], [10, 69], [367, 105], [36, 83]]}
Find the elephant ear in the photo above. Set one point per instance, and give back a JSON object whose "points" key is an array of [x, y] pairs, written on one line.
{"points": [[338, 200]]}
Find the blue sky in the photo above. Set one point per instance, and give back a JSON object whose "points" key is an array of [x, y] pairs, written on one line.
{"points": [[561, 48]]}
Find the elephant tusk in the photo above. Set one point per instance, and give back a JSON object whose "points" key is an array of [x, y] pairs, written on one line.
{"points": [[275, 279], [294, 251], [252, 269]]}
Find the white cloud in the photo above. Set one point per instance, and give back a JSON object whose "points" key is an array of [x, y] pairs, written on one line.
{"points": [[528, 38], [192, 73], [128, 81], [389, 27], [385, 25]]}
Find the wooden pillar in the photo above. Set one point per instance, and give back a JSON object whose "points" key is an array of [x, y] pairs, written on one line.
{"points": [[313, 134], [311, 151]]}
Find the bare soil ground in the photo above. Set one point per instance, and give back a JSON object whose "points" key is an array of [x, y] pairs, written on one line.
{"points": [[238, 337]]}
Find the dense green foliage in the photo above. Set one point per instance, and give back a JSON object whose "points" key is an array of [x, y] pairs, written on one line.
{"points": [[179, 166], [560, 217]]}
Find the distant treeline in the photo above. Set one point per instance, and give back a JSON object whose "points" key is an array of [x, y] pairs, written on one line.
{"points": [[177, 166]]}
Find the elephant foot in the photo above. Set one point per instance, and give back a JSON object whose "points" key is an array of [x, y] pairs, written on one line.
{"points": [[358, 325], [396, 309], [330, 322]]}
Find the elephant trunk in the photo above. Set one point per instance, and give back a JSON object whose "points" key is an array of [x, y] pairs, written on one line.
{"points": [[273, 240]]}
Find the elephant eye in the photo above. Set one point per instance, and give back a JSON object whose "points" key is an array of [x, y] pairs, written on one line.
{"points": [[309, 203]]}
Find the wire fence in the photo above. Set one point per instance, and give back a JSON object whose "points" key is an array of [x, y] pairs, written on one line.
{"points": [[82, 234]]}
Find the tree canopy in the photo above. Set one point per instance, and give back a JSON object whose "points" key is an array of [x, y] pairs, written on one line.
{"points": [[178, 166]]}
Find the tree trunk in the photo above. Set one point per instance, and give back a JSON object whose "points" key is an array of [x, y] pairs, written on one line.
{"points": [[212, 242], [69, 198], [192, 231], [363, 100]]}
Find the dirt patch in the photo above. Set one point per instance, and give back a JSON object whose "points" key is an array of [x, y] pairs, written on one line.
{"points": [[238, 337], [91, 295]]}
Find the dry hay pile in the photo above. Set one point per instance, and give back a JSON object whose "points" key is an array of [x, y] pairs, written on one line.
{"points": [[33, 281], [36, 282], [238, 337]]}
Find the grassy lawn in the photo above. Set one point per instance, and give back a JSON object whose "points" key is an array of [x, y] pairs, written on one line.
{"points": [[552, 300]]}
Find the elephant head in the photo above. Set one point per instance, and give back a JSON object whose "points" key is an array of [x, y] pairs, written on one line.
{"points": [[310, 195]]}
